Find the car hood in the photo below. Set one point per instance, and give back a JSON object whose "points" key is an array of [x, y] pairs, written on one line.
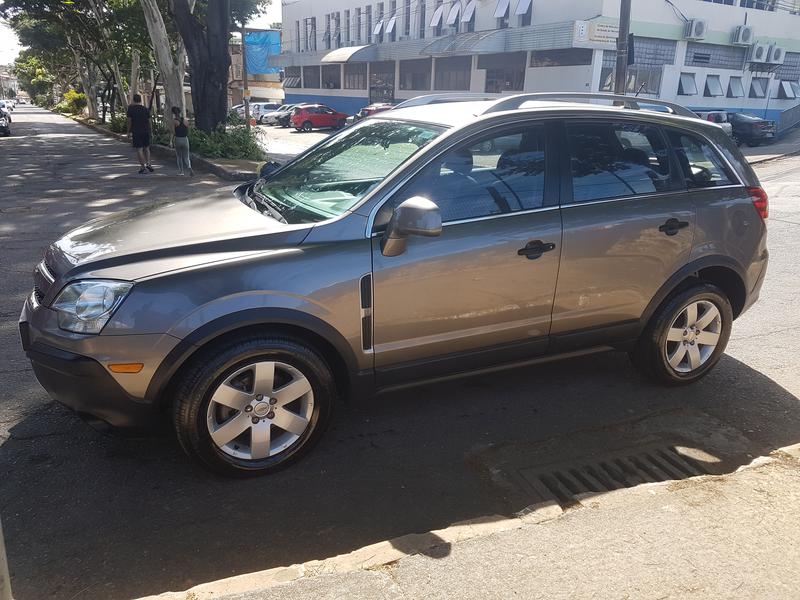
{"points": [[203, 226]]}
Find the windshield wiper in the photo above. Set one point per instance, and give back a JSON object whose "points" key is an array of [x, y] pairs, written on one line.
{"points": [[269, 205]]}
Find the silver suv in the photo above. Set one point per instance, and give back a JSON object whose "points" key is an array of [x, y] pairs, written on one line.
{"points": [[436, 239]]}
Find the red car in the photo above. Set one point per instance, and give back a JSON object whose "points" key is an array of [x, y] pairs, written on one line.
{"points": [[310, 116]]}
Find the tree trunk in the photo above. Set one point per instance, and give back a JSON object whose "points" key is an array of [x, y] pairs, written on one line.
{"points": [[133, 87], [171, 69], [86, 84], [207, 45]]}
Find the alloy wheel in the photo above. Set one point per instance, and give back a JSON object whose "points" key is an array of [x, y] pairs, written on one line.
{"points": [[693, 336], [260, 410]]}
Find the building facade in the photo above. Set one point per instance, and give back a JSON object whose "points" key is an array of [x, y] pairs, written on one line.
{"points": [[721, 54], [264, 87]]}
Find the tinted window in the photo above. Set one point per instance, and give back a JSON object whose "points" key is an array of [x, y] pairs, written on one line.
{"points": [[496, 174], [700, 163], [614, 160]]}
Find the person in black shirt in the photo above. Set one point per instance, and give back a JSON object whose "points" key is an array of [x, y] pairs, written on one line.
{"points": [[139, 130]]}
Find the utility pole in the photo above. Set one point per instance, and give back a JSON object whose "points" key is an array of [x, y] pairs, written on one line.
{"points": [[245, 90], [5, 578], [621, 73]]}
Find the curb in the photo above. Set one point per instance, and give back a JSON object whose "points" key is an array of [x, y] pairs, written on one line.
{"points": [[771, 158], [382, 555], [372, 557], [162, 151]]}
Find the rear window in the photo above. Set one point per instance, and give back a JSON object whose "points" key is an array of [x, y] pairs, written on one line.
{"points": [[702, 166], [615, 160]]}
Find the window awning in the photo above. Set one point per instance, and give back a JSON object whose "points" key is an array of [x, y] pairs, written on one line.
{"points": [[522, 7], [350, 54], [713, 86], [452, 18], [469, 11], [687, 85], [786, 90], [291, 82], [501, 10], [735, 88], [796, 88], [390, 25], [476, 42], [378, 27], [757, 89], [436, 19]]}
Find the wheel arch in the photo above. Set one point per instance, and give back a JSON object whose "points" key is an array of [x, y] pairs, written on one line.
{"points": [[319, 334], [722, 271]]}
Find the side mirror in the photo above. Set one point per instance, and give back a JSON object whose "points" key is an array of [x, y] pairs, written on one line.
{"points": [[267, 169], [415, 216]]}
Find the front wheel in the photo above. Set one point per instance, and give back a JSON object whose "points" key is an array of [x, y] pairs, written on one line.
{"points": [[686, 336], [253, 405]]}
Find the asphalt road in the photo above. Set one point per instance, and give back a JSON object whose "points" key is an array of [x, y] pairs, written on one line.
{"points": [[93, 515]]}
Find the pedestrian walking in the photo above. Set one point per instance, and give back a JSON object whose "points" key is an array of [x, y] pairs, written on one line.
{"points": [[180, 140], [139, 130]]}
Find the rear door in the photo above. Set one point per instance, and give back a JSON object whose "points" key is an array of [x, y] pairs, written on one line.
{"points": [[628, 226]]}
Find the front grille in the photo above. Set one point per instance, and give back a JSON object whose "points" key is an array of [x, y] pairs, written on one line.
{"points": [[38, 294], [44, 275]]}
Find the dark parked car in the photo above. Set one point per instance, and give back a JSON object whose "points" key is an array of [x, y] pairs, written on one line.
{"points": [[285, 118], [751, 130], [426, 242], [316, 116], [5, 123]]}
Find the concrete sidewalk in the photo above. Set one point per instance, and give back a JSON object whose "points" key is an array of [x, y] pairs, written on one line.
{"points": [[730, 536], [787, 145]]}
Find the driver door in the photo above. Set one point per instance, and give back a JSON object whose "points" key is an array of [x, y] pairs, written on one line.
{"points": [[482, 292]]}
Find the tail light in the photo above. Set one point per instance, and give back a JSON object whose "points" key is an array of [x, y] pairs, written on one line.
{"points": [[760, 200]]}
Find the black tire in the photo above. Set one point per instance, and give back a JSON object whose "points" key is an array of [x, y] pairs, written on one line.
{"points": [[753, 144], [307, 126], [650, 354], [198, 382]]}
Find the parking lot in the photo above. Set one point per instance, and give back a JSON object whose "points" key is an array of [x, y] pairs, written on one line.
{"points": [[90, 514]]}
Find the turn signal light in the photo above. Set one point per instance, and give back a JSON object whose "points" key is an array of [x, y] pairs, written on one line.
{"points": [[126, 367], [760, 200]]}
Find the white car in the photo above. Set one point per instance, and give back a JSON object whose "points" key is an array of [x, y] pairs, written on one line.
{"points": [[271, 117], [256, 109], [720, 117]]}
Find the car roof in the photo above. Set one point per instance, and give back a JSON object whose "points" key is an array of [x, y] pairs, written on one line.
{"points": [[456, 114]]}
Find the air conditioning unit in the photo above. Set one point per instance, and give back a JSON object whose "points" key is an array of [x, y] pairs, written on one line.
{"points": [[695, 29], [743, 35], [759, 53], [776, 55]]}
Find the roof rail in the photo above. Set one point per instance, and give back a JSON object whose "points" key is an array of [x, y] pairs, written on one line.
{"points": [[631, 102], [441, 98]]}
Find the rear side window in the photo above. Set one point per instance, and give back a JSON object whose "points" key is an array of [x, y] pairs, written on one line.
{"points": [[701, 165], [615, 160]]}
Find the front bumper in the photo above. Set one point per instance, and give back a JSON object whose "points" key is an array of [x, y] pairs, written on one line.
{"points": [[73, 368], [84, 385]]}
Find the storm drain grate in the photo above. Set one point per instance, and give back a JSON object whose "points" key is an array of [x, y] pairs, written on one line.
{"points": [[565, 483]]}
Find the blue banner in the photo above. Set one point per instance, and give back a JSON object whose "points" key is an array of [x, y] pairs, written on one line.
{"points": [[260, 45]]}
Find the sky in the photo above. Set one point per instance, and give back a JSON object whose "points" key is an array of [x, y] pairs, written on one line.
{"points": [[9, 44]]}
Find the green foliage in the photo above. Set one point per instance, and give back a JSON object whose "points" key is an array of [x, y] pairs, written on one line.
{"points": [[235, 142], [32, 75], [119, 123], [75, 101], [43, 100], [63, 108]]}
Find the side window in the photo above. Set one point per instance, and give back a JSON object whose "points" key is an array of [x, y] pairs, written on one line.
{"points": [[614, 160], [701, 165], [495, 174]]}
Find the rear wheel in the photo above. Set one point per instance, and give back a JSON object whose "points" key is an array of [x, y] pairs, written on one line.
{"points": [[686, 336], [253, 405], [753, 143], [307, 126]]}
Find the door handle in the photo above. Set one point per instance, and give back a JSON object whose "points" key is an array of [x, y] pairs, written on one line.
{"points": [[535, 249], [672, 226]]}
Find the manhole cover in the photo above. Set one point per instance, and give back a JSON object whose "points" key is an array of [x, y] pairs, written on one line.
{"points": [[662, 447]]}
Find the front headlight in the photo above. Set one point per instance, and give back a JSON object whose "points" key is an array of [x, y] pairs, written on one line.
{"points": [[86, 306]]}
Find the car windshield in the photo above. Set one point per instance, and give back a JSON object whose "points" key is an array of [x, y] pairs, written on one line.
{"points": [[337, 174]]}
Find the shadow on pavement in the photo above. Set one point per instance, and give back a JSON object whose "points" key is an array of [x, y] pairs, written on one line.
{"points": [[108, 517]]}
